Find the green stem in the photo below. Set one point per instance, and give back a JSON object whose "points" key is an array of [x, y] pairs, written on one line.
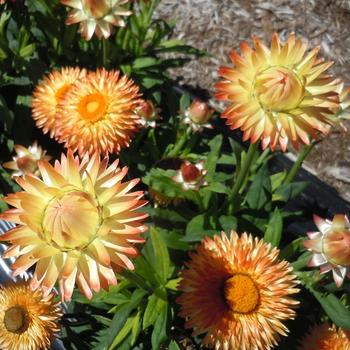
{"points": [[179, 144], [298, 163], [242, 175]]}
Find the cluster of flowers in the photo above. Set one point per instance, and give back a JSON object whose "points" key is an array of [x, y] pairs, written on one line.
{"points": [[79, 223]]}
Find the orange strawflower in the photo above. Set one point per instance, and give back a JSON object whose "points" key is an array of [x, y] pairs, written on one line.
{"points": [[28, 320], [49, 93], [279, 95], [97, 113], [325, 337], [26, 159], [78, 224], [331, 247], [96, 16], [237, 292]]}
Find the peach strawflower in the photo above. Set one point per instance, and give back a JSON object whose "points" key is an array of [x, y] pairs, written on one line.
{"points": [[49, 93], [28, 320], [331, 247], [148, 113], [79, 224], [237, 292], [191, 176], [197, 116], [279, 95], [96, 16], [97, 113], [325, 337], [26, 159]]}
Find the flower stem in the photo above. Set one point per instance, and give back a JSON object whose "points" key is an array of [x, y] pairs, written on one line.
{"points": [[179, 144], [298, 163], [242, 175]]}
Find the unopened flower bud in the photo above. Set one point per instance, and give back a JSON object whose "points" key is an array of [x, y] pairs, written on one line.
{"points": [[199, 112]]}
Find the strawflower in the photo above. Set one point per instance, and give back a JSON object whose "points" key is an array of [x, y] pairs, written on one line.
{"points": [[237, 292], [97, 113], [79, 224], [331, 247], [28, 320], [279, 95], [325, 337], [26, 160], [191, 176], [96, 16], [49, 93], [148, 113], [197, 116]]}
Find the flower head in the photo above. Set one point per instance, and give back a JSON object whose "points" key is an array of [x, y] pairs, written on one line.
{"points": [[96, 16], [198, 115], [325, 337], [331, 247], [28, 320], [148, 113], [191, 176], [49, 93], [78, 224], [279, 95], [97, 113], [237, 292], [26, 159]]}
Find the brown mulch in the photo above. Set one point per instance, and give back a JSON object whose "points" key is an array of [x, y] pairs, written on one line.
{"points": [[218, 26]]}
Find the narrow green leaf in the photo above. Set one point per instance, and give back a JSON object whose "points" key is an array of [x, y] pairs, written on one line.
{"points": [[273, 232], [159, 334], [228, 223], [259, 192], [285, 193], [215, 146], [334, 308], [123, 332], [161, 254], [173, 345], [154, 306]]}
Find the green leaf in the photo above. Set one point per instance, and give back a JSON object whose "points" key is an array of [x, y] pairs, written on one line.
{"points": [[228, 223], [136, 328], [217, 187], [161, 254], [285, 192], [123, 332], [215, 146], [107, 335], [144, 62], [301, 262], [154, 307], [334, 308], [196, 230], [159, 334], [185, 101], [291, 249], [259, 191], [173, 345], [277, 179], [273, 232]]}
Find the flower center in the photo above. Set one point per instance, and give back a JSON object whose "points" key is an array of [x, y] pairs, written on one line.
{"points": [[241, 294], [15, 319], [190, 172], [92, 107], [61, 92], [27, 164], [71, 221], [96, 8], [278, 89], [336, 247]]}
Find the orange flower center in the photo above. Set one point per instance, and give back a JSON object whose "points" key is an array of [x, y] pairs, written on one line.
{"points": [[61, 92], [92, 107], [241, 294], [15, 319], [71, 221], [278, 89], [336, 247]]}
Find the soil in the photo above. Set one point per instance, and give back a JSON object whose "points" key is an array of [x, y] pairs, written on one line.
{"points": [[218, 26]]}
